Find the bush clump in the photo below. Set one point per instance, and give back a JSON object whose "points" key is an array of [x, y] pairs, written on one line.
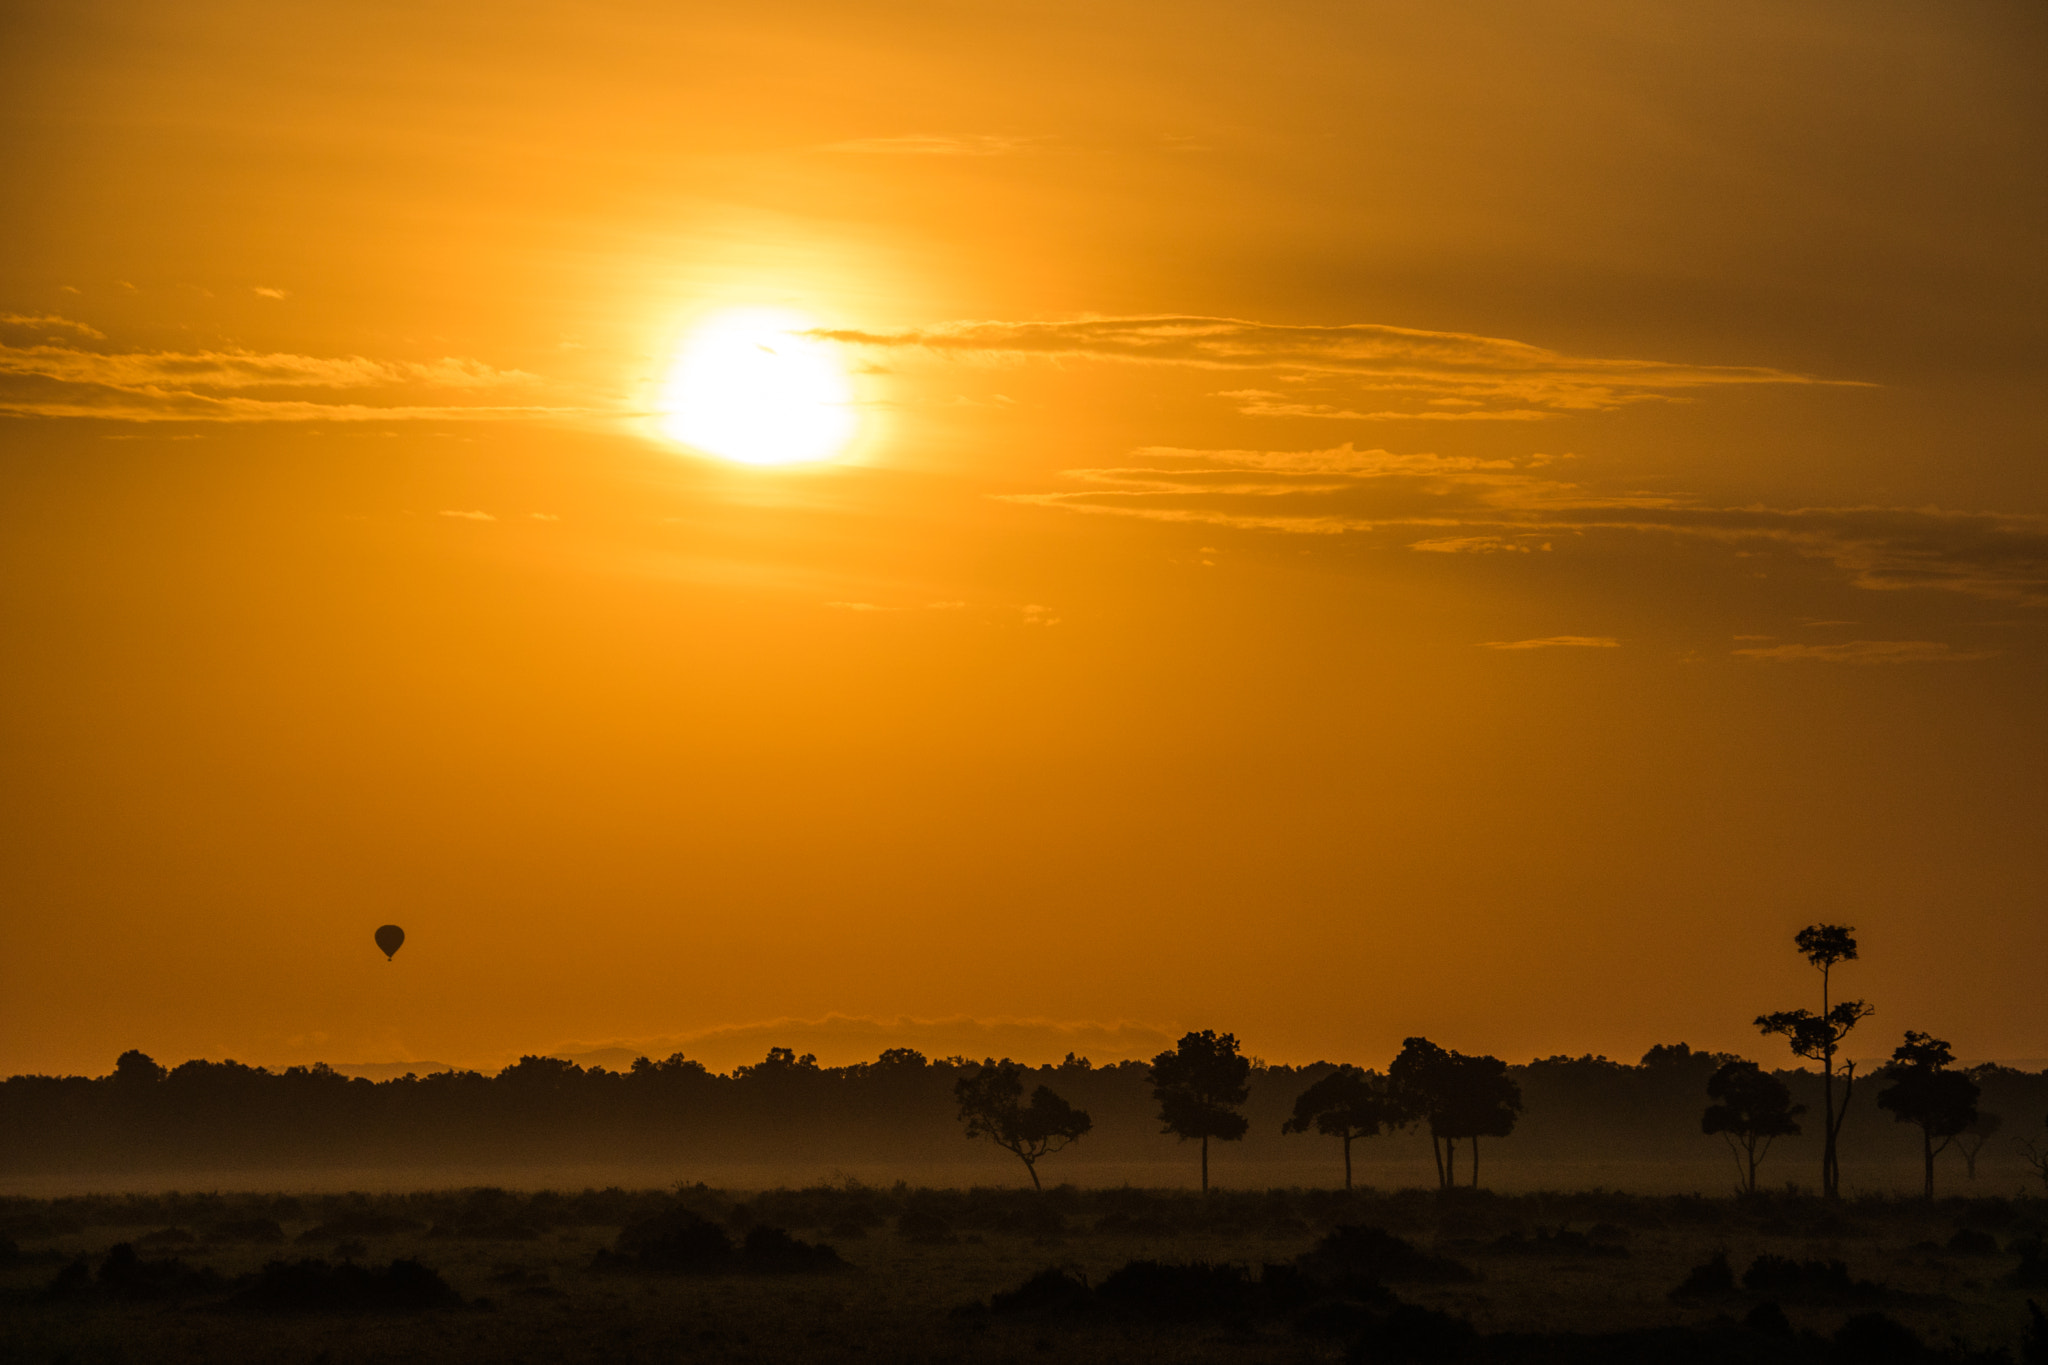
{"points": [[1712, 1278], [312, 1285], [122, 1274], [1807, 1281], [679, 1240], [1355, 1252]]}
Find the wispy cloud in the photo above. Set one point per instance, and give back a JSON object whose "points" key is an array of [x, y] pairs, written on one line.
{"points": [[470, 516], [49, 322], [1458, 376], [1473, 545], [1867, 652], [264, 291], [66, 378], [933, 144], [1465, 505], [1557, 642]]}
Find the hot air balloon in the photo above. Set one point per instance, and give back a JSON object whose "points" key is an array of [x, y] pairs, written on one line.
{"points": [[390, 938]]}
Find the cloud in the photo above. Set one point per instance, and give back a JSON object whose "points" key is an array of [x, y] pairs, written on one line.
{"points": [[1471, 545], [933, 144], [1484, 378], [1557, 642], [470, 516], [1466, 505], [1258, 403], [52, 379], [49, 322], [1866, 652], [264, 291]]}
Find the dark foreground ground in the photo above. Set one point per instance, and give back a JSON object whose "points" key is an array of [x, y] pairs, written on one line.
{"points": [[961, 1275]]}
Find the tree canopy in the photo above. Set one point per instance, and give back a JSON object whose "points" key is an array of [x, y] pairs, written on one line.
{"points": [[1349, 1103], [992, 1105], [1199, 1086]]}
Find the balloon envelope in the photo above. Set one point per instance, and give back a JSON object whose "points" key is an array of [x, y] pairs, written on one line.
{"points": [[390, 937]]}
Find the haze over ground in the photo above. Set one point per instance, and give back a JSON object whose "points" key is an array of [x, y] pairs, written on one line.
{"points": [[1365, 521]]}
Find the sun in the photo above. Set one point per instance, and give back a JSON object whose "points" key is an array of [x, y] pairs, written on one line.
{"points": [[749, 385]]}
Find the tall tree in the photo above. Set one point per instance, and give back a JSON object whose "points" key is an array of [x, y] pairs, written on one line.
{"points": [[1349, 1103], [1924, 1092], [992, 1106], [1751, 1109], [1458, 1096], [1199, 1085], [1484, 1102], [1818, 1037]]}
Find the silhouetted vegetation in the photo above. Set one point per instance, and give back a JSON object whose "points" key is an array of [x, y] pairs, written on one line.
{"points": [[900, 1110], [1199, 1086], [992, 1105], [1349, 1104], [1279, 1276], [316, 1286], [1818, 1037], [1457, 1097], [1751, 1109], [1923, 1092], [682, 1240]]}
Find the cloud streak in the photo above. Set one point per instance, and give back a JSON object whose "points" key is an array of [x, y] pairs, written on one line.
{"points": [[1465, 505], [1464, 377], [1866, 652], [60, 377], [1557, 642], [932, 144]]}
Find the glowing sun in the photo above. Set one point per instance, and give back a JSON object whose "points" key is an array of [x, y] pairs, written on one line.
{"points": [[750, 386]]}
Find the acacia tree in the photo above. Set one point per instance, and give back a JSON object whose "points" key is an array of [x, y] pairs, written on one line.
{"points": [[1817, 1037], [1458, 1096], [1349, 1103], [1751, 1110], [992, 1106], [1970, 1142], [1924, 1092], [1199, 1085]]}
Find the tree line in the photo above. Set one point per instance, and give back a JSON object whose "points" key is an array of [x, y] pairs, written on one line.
{"points": [[1203, 1091], [1200, 1084]]}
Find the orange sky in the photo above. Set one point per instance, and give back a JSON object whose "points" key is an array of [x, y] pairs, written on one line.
{"points": [[1366, 520]]}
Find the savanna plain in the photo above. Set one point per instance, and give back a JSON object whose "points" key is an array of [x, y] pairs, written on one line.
{"points": [[987, 1274]]}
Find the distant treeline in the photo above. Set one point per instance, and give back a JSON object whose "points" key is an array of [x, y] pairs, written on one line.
{"points": [[900, 1108]]}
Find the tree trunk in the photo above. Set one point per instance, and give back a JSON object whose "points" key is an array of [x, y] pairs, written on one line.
{"points": [[1437, 1151], [1827, 1067], [1927, 1154], [1474, 1158], [1347, 1162], [1032, 1167]]}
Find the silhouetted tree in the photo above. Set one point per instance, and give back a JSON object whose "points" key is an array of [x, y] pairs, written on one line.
{"points": [[1924, 1092], [1751, 1109], [1970, 1142], [1348, 1103], [2035, 1157], [1817, 1037], [991, 1105], [136, 1070], [1199, 1085], [1458, 1096]]}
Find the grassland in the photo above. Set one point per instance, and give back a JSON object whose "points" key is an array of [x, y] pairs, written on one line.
{"points": [[922, 1264]]}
